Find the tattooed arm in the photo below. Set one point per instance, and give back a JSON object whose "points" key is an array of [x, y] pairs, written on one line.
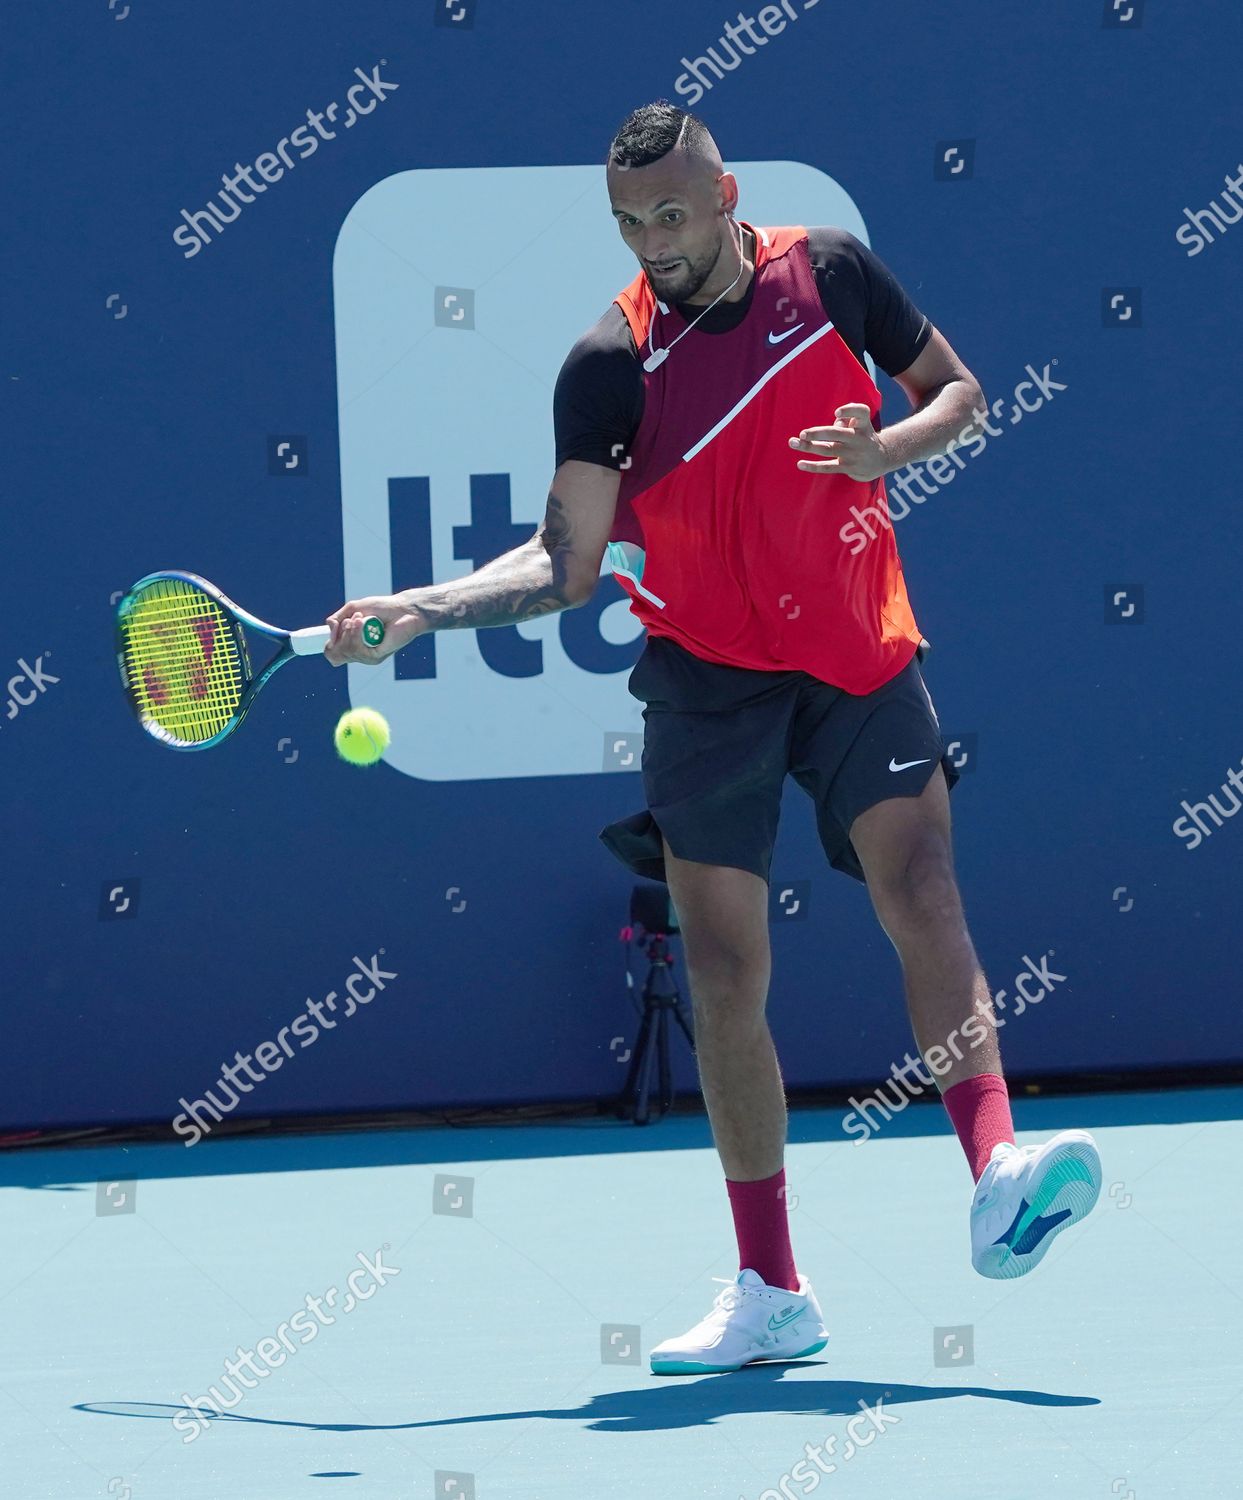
{"points": [[556, 569]]}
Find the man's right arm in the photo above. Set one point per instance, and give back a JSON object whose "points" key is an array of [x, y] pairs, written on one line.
{"points": [[558, 568]]}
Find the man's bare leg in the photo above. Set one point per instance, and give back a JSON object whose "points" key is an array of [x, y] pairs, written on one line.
{"points": [[723, 914], [904, 847]]}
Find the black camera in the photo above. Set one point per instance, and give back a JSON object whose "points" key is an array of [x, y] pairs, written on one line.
{"points": [[651, 907]]}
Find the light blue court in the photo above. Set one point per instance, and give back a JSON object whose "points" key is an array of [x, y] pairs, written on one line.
{"points": [[457, 1312]]}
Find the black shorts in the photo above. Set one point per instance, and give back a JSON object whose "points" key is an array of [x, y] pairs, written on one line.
{"points": [[719, 741]]}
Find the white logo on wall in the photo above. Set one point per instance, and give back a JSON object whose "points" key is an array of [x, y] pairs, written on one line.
{"points": [[454, 424]]}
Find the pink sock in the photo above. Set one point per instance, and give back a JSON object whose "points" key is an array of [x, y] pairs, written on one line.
{"points": [[980, 1110], [762, 1225]]}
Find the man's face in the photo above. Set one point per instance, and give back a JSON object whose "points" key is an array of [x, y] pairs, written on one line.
{"points": [[669, 213]]}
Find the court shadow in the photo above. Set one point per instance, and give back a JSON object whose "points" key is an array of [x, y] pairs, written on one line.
{"points": [[669, 1403]]}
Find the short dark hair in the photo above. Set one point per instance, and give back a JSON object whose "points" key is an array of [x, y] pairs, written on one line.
{"points": [[649, 133]]}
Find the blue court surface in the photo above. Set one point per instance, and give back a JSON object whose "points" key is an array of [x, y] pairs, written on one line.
{"points": [[467, 1312]]}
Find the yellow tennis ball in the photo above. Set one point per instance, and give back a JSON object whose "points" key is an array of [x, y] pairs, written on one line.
{"points": [[361, 736]]}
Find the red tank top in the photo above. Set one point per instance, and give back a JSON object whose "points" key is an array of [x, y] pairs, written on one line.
{"points": [[721, 543]]}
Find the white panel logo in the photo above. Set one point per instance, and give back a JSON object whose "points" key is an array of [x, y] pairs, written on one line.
{"points": [[458, 294]]}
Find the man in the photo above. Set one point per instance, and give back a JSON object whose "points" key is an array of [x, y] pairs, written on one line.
{"points": [[752, 536]]}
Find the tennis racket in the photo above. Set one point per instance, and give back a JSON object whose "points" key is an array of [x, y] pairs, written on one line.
{"points": [[184, 661]]}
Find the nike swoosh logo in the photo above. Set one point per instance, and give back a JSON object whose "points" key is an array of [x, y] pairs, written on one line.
{"points": [[777, 338], [776, 1323], [907, 764]]}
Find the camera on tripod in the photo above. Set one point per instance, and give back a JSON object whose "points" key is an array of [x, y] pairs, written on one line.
{"points": [[652, 908], [653, 914]]}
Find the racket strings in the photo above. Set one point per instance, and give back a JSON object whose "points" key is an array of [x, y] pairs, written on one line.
{"points": [[183, 665]]}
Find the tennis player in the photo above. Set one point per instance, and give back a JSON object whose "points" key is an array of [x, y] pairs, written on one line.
{"points": [[717, 431]]}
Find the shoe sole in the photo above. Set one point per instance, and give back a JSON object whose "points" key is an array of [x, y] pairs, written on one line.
{"points": [[1069, 1183], [697, 1367]]}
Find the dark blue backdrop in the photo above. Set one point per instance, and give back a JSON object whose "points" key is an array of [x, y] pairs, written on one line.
{"points": [[141, 390]]}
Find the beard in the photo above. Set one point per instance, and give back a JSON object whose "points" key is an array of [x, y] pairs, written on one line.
{"points": [[686, 280]]}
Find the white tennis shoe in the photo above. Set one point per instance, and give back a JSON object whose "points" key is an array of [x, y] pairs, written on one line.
{"points": [[1026, 1196], [750, 1320]]}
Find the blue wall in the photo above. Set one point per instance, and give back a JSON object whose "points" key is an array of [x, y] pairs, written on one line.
{"points": [[143, 390]]}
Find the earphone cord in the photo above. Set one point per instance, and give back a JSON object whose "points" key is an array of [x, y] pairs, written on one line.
{"points": [[741, 267]]}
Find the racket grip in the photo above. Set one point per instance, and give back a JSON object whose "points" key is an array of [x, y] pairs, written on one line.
{"points": [[311, 641]]}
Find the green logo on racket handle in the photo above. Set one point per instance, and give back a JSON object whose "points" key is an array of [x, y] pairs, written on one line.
{"points": [[373, 631]]}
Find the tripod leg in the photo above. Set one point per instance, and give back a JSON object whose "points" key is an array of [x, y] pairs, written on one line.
{"points": [[666, 1078], [642, 1112], [627, 1096], [680, 1016]]}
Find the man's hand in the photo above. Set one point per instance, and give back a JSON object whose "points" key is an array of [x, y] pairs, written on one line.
{"points": [[402, 622], [852, 446]]}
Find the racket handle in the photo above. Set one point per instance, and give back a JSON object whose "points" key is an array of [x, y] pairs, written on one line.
{"points": [[312, 640]]}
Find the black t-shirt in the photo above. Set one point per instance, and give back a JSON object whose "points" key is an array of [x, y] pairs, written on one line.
{"points": [[598, 400]]}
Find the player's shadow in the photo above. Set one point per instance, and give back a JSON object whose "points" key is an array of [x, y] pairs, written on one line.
{"points": [[666, 1404]]}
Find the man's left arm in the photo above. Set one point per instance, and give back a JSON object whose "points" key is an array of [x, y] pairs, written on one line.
{"points": [[944, 397]]}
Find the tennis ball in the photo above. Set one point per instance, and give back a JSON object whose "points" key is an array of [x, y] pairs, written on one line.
{"points": [[361, 736]]}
